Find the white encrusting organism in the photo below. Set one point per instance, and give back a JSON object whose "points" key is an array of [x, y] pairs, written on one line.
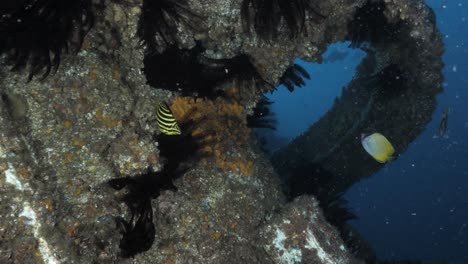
{"points": [[28, 213]]}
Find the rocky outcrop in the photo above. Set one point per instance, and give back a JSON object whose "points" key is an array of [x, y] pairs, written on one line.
{"points": [[65, 138]]}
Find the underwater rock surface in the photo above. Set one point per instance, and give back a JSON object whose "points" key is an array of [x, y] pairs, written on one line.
{"points": [[300, 234], [64, 138]]}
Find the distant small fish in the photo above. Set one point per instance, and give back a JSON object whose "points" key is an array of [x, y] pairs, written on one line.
{"points": [[443, 123], [166, 121], [378, 147]]}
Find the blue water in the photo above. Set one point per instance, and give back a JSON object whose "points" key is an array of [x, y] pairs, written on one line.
{"points": [[309, 103], [416, 207]]}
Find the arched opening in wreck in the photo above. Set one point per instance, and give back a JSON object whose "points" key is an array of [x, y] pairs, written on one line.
{"points": [[394, 205], [210, 78], [411, 208], [296, 111], [294, 114]]}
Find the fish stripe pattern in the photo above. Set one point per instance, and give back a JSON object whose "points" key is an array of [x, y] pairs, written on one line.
{"points": [[166, 121]]}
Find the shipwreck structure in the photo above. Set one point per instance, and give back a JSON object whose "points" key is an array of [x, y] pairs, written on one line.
{"points": [[87, 177]]}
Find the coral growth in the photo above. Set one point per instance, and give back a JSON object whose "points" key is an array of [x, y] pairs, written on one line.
{"points": [[225, 122], [209, 130], [35, 33]]}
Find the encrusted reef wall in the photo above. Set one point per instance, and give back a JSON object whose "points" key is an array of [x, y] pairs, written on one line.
{"points": [[84, 167]]}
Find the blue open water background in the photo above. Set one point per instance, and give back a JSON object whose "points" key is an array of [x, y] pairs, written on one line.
{"points": [[416, 207]]}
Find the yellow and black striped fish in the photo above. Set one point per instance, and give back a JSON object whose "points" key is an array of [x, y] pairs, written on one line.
{"points": [[166, 121]]}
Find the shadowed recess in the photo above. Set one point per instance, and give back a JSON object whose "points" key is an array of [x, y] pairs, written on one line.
{"points": [[158, 22], [391, 81], [138, 233], [312, 179], [371, 25], [186, 147], [191, 73], [36, 32], [269, 14], [262, 116], [181, 149]]}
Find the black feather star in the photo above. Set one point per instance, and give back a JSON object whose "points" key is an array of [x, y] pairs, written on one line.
{"points": [[158, 22], [336, 210], [371, 25], [138, 232], [268, 14], [262, 116], [191, 73], [294, 76], [35, 32]]}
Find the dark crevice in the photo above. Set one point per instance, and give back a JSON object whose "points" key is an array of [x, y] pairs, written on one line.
{"points": [[178, 151], [138, 233], [312, 179], [34, 33], [190, 73], [391, 81], [158, 22], [268, 14], [262, 116], [370, 25]]}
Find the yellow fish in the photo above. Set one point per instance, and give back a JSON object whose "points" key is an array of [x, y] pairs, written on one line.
{"points": [[378, 146], [166, 121]]}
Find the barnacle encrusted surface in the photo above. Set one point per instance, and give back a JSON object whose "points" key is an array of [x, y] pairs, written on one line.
{"points": [[63, 139], [300, 234], [223, 21]]}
